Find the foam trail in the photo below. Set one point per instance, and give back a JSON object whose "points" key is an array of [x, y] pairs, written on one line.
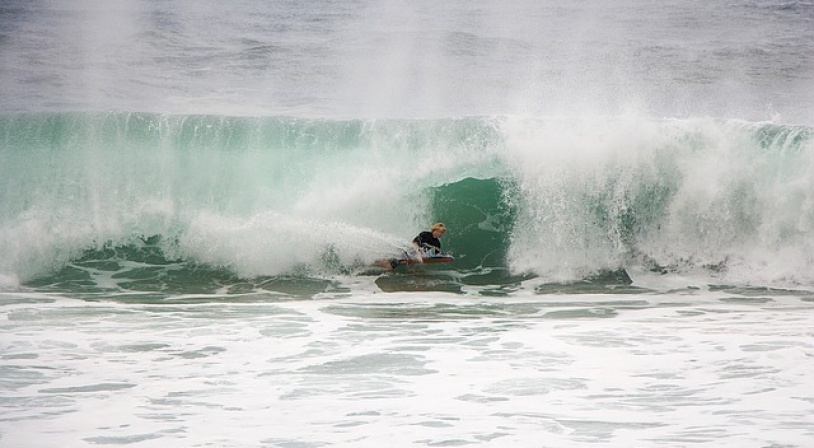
{"points": [[274, 244]]}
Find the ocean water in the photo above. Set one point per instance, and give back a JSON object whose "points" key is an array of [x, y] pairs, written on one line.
{"points": [[194, 195]]}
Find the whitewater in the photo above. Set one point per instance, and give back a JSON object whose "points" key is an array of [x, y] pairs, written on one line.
{"points": [[194, 196]]}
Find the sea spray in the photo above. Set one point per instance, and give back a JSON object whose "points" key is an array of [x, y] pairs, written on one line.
{"points": [[604, 192]]}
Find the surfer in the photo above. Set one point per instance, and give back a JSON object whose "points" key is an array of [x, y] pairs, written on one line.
{"points": [[427, 242]]}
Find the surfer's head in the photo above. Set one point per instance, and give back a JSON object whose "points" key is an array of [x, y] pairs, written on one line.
{"points": [[438, 229]]}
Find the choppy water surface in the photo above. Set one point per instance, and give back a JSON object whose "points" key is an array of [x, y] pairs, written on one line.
{"points": [[696, 367]]}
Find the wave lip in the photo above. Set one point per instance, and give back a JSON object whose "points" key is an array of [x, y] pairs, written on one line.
{"points": [[728, 197]]}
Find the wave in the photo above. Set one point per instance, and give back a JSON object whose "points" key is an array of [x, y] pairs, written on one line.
{"points": [[559, 197]]}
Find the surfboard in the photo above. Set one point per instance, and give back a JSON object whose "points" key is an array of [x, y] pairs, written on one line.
{"points": [[391, 264]]}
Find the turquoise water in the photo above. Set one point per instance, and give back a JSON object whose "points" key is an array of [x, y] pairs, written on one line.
{"points": [[182, 204]]}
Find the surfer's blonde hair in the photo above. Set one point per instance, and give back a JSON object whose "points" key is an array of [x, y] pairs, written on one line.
{"points": [[438, 226]]}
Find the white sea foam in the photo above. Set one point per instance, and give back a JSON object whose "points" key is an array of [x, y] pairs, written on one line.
{"points": [[699, 368]]}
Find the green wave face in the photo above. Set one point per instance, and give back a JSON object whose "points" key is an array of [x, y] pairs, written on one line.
{"points": [[480, 217], [240, 198]]}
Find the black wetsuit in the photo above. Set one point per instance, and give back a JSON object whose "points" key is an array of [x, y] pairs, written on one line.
{"points": [[425, 239]]}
